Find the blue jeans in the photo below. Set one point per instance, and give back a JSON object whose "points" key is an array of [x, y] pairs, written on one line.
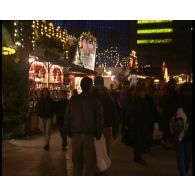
{"points": [[46, 125], [183, 150]]}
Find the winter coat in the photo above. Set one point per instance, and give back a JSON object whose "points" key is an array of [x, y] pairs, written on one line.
{"points": [[60, 108], [111, 115], [45, 108], [84, 115]]}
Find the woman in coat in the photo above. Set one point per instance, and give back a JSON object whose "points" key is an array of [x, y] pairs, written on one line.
{"points": [[45, 110]]}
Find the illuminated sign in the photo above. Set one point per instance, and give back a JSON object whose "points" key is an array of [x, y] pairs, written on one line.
{"points": [[8, 51], [153, 41], [86, 52], [153, 21], [150, 31]]}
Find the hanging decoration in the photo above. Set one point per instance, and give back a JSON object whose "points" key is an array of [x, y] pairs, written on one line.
{"points": [[18, 33], [133, 63], [86, 52], [110, 57]]}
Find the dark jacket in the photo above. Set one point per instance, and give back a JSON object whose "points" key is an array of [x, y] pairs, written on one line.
{"points": [[111, 116], [45, 108], [84, 115], [141, 112], [60, 108]]}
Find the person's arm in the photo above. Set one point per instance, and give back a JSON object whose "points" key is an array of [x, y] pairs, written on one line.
{"points": [[67, 120]]}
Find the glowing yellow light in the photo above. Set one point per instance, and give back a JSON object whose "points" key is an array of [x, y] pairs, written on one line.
{"points": [[8, 51], [153, 41], [150, 31], [153, 21], [50, 24]]}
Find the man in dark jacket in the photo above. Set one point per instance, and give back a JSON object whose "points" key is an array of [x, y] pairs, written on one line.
{"points": [[141, 117], [111, 116], [84, 120], [60, 108]]}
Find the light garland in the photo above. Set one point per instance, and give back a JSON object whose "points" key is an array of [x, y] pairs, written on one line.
{"points": [[34, 25], [8, 51], [47, 29], [109, 57], [18, 34]]}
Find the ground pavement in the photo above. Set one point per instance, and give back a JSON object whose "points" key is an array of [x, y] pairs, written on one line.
{"points": [[27, 157]]}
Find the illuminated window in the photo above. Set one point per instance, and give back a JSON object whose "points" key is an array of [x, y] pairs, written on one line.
{"points": [[150, 31], [153, 41], [153, 21]]}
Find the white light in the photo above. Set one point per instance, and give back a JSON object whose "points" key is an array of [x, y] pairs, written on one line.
{"points": [[18, 43], [109, 72], [191, 28], [31, 60]]}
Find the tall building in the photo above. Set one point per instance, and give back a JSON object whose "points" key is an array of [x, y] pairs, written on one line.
{"points": [[164, 40], [154, 41]]}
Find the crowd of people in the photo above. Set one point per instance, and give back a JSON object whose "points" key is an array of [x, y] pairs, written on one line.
{"points": [[135, 113]]}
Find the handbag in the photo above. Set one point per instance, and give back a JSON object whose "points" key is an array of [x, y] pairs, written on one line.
{"points": [[103, 160]]}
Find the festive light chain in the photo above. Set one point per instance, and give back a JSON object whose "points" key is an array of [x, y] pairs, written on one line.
{"points": [[8, 51], [18, 34], [109, 56]]}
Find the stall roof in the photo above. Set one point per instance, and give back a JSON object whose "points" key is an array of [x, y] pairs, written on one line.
{"points": [[71, 68]]}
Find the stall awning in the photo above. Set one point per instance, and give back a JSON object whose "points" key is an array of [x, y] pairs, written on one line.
{"points": [[70, 68]]}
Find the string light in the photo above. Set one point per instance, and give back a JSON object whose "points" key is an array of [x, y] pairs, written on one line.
{"points": [[8, 51]]}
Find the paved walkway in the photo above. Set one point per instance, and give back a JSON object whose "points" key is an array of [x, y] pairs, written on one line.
{"points": [[27, 157]]}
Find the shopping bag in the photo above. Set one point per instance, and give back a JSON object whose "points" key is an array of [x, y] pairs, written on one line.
{"points": [[157, 134], [103, 160]]}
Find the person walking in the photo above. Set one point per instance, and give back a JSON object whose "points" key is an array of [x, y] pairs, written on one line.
{"points": [[60, 108], [124, 97], [183, 141], [111, 116], [84, 121], [45, 110], [141, 117]]}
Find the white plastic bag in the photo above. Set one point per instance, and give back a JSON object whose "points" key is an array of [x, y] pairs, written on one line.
{"points": [[157, 134], [103, 160]]}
